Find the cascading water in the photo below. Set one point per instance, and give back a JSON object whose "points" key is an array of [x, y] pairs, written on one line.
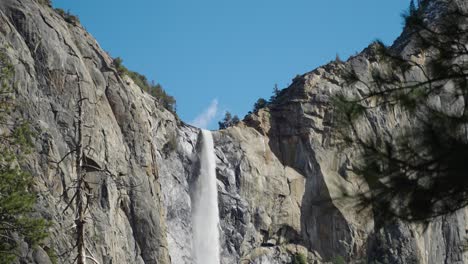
{"points": [[205, 215]]}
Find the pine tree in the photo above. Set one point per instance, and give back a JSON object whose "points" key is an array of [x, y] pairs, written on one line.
{"points": [[17, 198], [228, 121], [261, 103], [276, 92], [235, 120], [412, 8], [418, 171]]}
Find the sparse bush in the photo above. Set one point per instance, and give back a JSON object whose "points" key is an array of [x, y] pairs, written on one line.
{"points": [[45, 2], [140, 80], [51, 254], [167, 100], [338, 260], [67, 16], [299, 258], [155, 89], [137, 78], [118, 64]]}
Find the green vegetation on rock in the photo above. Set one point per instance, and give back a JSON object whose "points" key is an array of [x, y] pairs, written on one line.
{"points": [[299, 258], [17, 197], [69, 17], [45, 2], [261, 103], [416, 170], [338, 260], [228, 121], [155, 89]]}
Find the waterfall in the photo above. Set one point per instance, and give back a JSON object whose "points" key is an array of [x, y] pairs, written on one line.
{"points": [[205, 215]]}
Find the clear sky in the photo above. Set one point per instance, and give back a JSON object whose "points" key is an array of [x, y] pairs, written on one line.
{"points": [[218, 55]]}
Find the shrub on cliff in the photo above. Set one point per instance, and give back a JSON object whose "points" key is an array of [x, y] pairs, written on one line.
{"points": [[45, 2], [67, 16], [17, 197], [338, 260], [118, 64], [299, 258], [167, 100], [155, 89]]}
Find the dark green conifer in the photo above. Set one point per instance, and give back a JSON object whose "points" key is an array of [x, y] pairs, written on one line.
{"points": [[276, 92], [260, 103], [228, 121], [415, 170], [412, 8], [17, 197]]}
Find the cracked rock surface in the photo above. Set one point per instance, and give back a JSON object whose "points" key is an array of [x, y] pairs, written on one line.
{"points": [[271, 169]]}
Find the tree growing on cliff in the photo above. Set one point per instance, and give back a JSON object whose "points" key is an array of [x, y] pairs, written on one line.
{"points": [[228, 121], [168, 102], [16, 195], [412, 8], [275, 94], [155, 89], [416, 171], [259, 104]]}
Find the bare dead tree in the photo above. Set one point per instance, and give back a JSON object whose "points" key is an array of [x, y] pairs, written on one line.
{"points": [[81, 175], [81, 198]]}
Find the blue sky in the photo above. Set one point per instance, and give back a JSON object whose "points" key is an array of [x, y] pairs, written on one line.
{"points": [[222, 55]]}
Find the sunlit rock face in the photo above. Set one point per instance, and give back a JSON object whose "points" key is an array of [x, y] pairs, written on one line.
{"points": [[278, 172], [289, 149]]}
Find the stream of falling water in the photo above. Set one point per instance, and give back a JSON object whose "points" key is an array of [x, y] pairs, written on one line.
{"points": [[205, 215]]}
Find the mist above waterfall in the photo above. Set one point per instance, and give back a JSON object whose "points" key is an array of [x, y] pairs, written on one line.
{"points": [[204, 119], [205, 215]]}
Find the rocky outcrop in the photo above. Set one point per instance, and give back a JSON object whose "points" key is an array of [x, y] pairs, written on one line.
{"points": [[289, 148], [291, 144], [125, 134], [280, 177]]}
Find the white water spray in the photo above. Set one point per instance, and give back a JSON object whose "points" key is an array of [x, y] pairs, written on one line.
{"points": [[205, 215]]}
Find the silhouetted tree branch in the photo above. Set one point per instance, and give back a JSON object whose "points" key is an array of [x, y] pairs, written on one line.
{"points": [[416, 169]]}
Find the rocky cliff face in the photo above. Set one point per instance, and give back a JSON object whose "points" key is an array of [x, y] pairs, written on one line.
{"points": [[278, 172], [125, 130]]}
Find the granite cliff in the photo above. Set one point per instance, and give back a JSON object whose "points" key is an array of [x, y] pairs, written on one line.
{"points": [[272, 168]]}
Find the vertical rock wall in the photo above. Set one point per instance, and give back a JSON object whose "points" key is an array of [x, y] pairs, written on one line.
{"points": [[280, 179]]}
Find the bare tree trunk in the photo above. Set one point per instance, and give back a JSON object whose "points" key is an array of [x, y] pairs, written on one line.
{"points": [[81, 173]]}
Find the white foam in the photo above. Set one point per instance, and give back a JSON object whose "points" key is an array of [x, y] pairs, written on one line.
{"points": [[205, 213]]}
